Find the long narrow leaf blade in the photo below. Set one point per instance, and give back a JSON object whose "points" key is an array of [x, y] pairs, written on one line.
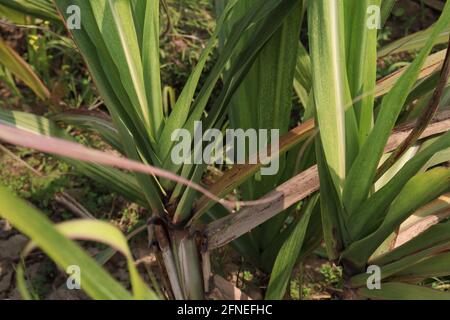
{"points": [[94, 280]]}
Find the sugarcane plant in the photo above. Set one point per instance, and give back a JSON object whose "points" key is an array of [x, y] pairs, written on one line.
{"points": [[363, 169], [363, 203], [123, 57]]}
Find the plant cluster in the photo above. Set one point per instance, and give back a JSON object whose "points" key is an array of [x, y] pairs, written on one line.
{"points": [[363, 167]]}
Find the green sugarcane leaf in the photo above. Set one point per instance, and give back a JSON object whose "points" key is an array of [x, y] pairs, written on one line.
{"points": [[357, 185], [414, 41], [272, 14], [99, 231], [386, 9], [439, 158], [419, 191], [266, 19], [424, 82], [243, 111], [99, 123], [369, 216], [127, 120], [13, 15], [114, 20], [288, 254], [428, 244], [313, 239], [333, 233], [118, 181], [95, 281], [390, 271], [335, 117], [434, 240], [402, 291], [180, 113], [107, 78], [436, 266], [43, 9], [186, 116], [361, 51], [22, 70], [151, 65], [303, 79], [268, 104], [139, 12], [394, 169]]}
